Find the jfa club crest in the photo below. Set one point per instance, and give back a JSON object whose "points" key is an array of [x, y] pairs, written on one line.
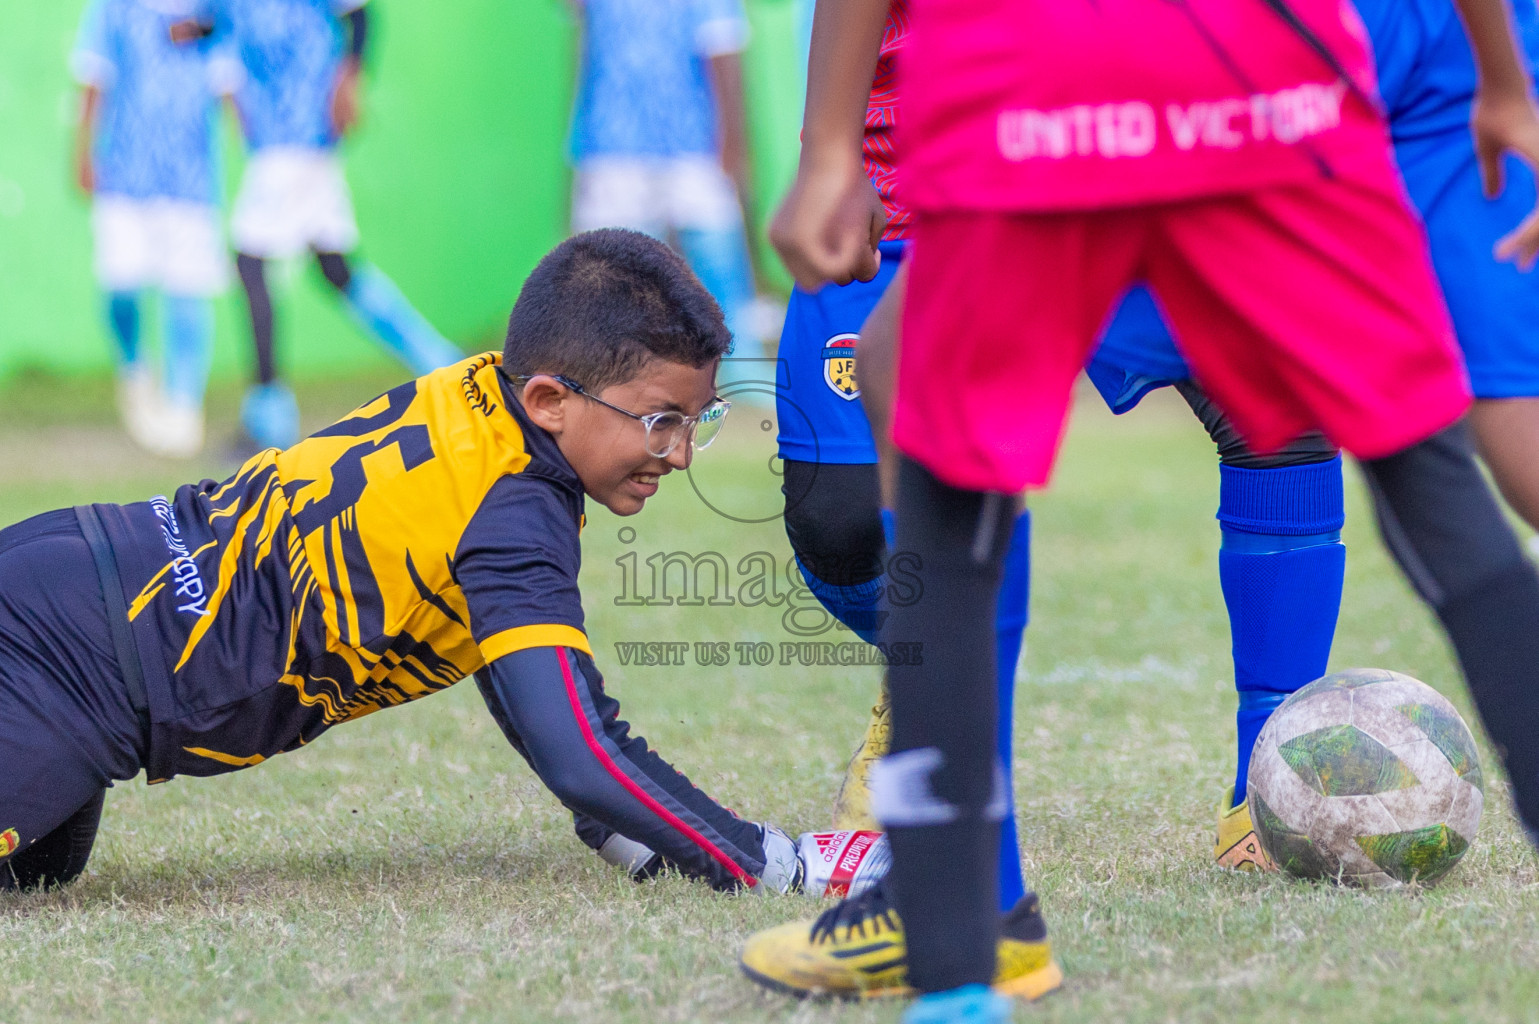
{"points": [[839, 366]]}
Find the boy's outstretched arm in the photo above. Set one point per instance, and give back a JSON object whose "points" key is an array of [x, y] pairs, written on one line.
{"points": [[1504, 118], [828, 227], [551, 705]]}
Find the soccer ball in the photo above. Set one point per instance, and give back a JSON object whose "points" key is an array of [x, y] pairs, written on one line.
{"points": [[1368, 777]]}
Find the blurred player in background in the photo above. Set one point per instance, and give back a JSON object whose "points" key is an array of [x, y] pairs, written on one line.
{"points": [[660, 139], [150, 75], [299, 97], [1472, 578]]}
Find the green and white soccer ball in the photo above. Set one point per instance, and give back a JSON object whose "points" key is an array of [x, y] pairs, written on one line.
{"points": [[1368, 777]]}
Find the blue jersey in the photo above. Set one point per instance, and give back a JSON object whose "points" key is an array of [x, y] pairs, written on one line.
{"points": [[1427, 81], [291, 51], [644, 87], [1426, 70], [154, 133]]}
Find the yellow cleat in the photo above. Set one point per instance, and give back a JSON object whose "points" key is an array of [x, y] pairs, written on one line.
{"points": [[856, 950], [852, 807], [1237, 847]]}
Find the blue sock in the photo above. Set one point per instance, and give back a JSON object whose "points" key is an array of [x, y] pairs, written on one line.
{"points": [[123, 318], [1281, 566], [1010, 617], [720, 259], [380, 308], [189, 324], [970, 1004], [858, 606], [271, 415]]}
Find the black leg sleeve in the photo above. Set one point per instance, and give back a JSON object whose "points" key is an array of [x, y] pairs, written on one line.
{"points": [[940, 793], [336, 270], [834, 521], [1305, 450], [259, 303], [59, 857], [551, 704], [1444, 527]]}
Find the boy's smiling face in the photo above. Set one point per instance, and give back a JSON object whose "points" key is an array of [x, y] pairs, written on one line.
{"points": [[608, 449]]}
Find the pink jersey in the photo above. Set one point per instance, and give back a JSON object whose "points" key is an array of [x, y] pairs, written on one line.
{"points": [[882, 116], [1080, 104]]}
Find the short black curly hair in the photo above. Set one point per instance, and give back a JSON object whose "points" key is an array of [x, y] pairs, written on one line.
{"points": [[603, 303]]}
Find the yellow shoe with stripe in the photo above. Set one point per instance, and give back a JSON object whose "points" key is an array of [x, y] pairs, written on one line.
{"points": [[852, 807], [856, 950], [1237, 847]]}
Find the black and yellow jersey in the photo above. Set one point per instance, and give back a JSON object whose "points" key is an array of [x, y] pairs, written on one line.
{"points": [[380, 560]]}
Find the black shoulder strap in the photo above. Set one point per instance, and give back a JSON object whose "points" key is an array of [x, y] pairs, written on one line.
{"points": [[123, 643]]}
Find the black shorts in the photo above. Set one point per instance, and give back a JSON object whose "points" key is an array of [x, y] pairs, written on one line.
{"points": [[67, 728]]}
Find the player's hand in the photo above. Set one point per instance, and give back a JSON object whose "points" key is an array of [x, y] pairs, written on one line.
{"points": [[783, 869], [187, 30], [828, 227], [344, 98], [1502, 125]]}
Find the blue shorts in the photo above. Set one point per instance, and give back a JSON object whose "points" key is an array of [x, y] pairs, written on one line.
{"points": [[817, 399], [1426, 76]]}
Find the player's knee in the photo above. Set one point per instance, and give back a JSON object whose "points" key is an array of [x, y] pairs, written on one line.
{"points": [[833, 520], [1306, 450]]}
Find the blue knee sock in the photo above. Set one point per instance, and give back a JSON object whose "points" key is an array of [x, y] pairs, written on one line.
{"points": [[189, 349], [858, 606], [380, 308], [123, 318], [719, 258], [1281, 566], [1010, 619]]}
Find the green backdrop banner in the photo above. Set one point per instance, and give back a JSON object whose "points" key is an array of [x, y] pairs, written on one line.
{"points": [[458, 172]]}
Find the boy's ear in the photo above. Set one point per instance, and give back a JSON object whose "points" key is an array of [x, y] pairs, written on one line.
{"points": [[544, 401]]}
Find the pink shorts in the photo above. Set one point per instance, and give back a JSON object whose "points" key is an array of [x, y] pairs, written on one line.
{"points": [[1297, 308]]}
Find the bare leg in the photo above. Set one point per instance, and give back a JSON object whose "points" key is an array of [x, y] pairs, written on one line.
{"points": [[1507, 436]]}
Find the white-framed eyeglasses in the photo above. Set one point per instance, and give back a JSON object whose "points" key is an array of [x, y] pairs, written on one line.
{"points": [[666, 429]]}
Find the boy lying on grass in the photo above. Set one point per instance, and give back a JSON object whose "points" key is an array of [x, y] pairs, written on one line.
{"points": [[430, 535]]}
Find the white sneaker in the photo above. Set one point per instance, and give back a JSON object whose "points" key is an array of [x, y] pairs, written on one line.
{"points": [[179, 430], [137, 401]]}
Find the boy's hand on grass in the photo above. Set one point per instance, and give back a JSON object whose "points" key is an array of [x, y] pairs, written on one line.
{"points": [[344, 98], [1502, 125], [828, 227]]}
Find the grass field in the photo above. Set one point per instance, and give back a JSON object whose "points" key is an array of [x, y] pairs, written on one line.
{"points": [[410, 868]]}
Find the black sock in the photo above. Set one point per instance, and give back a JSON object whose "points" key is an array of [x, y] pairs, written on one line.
{"points": [[253, 278], [1445, 528], [939, 792], [1495, 630]]}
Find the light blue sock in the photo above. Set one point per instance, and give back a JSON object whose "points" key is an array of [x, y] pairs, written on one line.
{"points": [[720, 259], [271, 415], [1281, 565], [189, 348], [123, 319], [380, 308], [1010, 617], [970, 1004]]}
